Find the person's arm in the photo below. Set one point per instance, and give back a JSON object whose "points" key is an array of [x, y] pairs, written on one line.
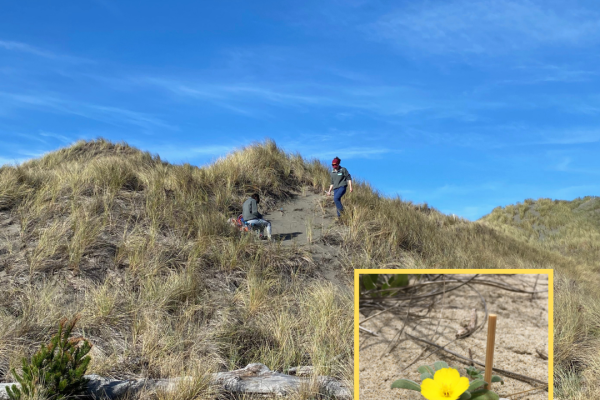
{"points": [[258, 215], [349, 178], [254, 209], [330, 186]]}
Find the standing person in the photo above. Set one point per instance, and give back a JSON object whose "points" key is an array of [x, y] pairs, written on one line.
{"points": [[252, 216], [340, 178]]}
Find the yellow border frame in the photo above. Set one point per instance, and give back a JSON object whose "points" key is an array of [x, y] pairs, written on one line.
{"points": [[550, 273]]}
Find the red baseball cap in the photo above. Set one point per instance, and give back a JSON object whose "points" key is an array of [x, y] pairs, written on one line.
{"points": [[336, 161]]}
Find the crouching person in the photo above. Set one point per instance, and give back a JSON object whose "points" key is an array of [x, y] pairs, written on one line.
{"points": [[253, 217]]}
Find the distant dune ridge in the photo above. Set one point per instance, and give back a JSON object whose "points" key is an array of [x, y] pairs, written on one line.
{"points": [[165, 287], [571, 229]]}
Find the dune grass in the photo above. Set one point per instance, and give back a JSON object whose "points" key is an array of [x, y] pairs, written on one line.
{"points": [[571, 229], [165, 287], [142, 250]]}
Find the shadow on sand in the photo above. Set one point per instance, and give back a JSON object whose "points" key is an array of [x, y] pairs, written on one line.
{"points": [[286, 236]]}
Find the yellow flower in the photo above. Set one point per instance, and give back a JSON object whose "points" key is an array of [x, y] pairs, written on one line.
{"points": [[446, 384]]}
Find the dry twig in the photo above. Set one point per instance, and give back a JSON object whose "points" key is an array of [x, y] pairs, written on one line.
{"points": [[508, 374]]}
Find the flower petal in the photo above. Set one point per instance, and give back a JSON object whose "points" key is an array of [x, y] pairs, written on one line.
{"points": [[460, 386], [446, 376], [430, 389]]}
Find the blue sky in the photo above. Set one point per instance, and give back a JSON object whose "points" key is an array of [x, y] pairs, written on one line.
{"points": [[465, 105]]}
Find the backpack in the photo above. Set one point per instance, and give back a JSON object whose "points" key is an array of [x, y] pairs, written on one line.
{"points": [[241, 223]]}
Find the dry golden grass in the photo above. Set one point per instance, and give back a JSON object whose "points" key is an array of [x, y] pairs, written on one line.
{"points": [[143, 251], [571, 229]]}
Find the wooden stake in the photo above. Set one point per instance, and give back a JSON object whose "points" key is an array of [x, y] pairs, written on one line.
{"points": [[489, 352]]}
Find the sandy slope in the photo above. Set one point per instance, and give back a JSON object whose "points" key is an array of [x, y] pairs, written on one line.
{"points": [[303, 221], [291, 221]]}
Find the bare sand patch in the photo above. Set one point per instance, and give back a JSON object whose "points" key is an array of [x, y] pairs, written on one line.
{"points": [[522, 331]]}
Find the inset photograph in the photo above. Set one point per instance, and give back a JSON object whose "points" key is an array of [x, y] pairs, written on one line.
{"points": [[454, 334]]}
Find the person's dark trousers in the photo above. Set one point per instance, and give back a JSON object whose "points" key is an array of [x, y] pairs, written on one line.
{"points": [[337, 198]]}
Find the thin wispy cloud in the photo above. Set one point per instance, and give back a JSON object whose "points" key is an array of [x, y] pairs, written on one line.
{"points": [[572, 137], [534, 136], [120, 115], [262, 96], [566, 165], [251, 99], [27, 136], [486, 27], [36, 51], [61, 138], [349, 152], [25, 48], [189, 153], [538, 75], [108, 114], [29, 153], [547, 73], [239, 91]]}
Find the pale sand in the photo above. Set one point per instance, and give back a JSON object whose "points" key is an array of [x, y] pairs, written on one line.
{"points": [[522, 327]]}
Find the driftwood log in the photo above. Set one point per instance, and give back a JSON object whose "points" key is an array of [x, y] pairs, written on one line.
{"points": [[254, 379]]}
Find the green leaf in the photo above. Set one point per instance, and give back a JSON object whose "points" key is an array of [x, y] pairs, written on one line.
{"points": [[406, 384], [477, 383], [465, 396], [399, 280], [496, 378], [426, 369], [474, 373], [385, 286], [484, 395], [366, 282], [439, 365], [426, 375]]}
